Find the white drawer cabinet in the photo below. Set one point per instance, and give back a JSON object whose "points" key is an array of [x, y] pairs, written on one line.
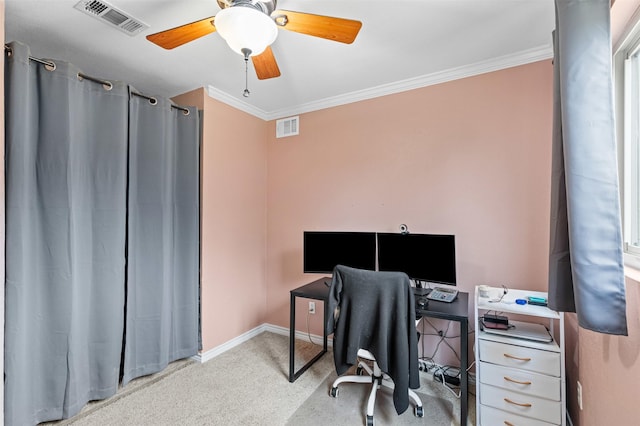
{"points": [[495, 417], [516, 380], [522, 404], [518, 356], [519, 381]]}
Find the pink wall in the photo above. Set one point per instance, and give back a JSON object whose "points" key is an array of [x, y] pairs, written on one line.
{"points": [[234, 172], [621, 12], [469, 157], [608, 368]]}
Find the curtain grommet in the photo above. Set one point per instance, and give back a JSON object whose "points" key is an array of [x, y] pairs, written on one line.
{"points": [[106, 84]]}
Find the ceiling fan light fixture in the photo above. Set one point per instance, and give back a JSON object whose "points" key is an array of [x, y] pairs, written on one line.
{"points": [[244, 27]]}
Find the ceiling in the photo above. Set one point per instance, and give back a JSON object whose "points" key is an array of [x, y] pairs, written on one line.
{"points": [[403, 44]]}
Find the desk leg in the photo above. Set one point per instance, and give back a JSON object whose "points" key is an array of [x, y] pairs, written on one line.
{"points": [[464, 388], [293, 374], [324, 325], [292, 337]]}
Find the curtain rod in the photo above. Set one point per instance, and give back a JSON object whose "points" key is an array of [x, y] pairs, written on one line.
{"points": [[107, 84]]}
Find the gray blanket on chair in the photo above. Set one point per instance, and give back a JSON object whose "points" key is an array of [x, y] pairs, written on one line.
{"points": [[376, 312]]}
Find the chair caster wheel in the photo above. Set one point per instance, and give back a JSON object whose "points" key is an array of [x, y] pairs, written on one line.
{"points": [[334, 392], [419, 411], [369, 420]]}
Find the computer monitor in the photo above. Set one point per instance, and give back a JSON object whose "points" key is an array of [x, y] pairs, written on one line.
{"points": [[424, 257], [322, 251]]}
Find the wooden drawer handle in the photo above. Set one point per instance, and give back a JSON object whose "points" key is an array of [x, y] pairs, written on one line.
{"points": [[509, 379], [517, 403], [518, 358], [508, 423]]}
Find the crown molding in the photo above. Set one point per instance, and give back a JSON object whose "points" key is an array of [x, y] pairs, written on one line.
{"points": [[234, 102], [495, 64]]}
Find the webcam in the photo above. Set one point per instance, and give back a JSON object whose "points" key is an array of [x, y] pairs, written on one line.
{"points": [[404, 229]]}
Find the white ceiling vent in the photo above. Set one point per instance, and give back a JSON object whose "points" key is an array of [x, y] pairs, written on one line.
{"points": [[287, 127], [112, 16]]}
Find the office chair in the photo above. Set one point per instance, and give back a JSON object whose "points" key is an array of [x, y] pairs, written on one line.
{"points": [[373, 318]]}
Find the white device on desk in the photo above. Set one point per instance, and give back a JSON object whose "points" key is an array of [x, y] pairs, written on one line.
{"points": [[443, 294]]}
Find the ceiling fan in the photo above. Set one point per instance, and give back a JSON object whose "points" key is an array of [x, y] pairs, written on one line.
{"points": [[250, 26]]}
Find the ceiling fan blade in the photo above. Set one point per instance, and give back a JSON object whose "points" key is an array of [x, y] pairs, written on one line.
{"points": [[178, 36], [336, 29], [266, 65]]}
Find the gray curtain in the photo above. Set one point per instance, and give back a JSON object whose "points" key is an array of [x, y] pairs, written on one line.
{"points": [[102, 222], [66, 167], [163, 261], [586, 271]]}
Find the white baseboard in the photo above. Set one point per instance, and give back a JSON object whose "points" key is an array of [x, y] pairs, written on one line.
{"points": [[212, 353], [300, 335], [218, 350]]}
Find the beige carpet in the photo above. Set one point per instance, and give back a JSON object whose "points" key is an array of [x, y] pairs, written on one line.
{"points": [[247, 385]]}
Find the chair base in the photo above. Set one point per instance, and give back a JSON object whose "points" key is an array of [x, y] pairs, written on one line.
{"points": [[377, 379]]}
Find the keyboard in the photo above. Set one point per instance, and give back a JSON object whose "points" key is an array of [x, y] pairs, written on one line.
{"points": [[443, 294]]}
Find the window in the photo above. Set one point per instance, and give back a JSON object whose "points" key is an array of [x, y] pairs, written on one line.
{"points": [[627, 86]]}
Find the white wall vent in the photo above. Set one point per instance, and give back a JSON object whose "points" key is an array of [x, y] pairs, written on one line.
{"points": [[287, 127], [112, 16]]}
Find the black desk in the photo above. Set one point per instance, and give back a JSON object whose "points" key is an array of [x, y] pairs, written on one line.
{"points": [[316, 290], [457, 310]]}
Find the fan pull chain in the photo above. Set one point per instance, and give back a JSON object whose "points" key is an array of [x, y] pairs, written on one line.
{"points": [[246, 53]]}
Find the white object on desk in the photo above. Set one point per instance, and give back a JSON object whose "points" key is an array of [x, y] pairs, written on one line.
{"points": [[483, 291], [442, 294]]}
